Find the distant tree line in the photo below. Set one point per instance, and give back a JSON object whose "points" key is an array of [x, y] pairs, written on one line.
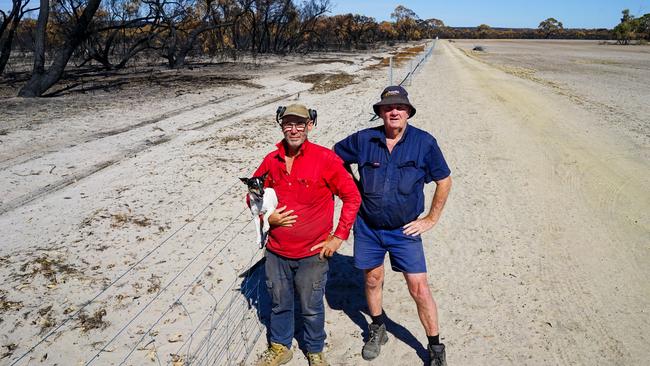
{"points": [[631, 28], [108, 34]]}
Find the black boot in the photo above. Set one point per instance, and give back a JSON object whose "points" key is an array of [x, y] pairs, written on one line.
{"points": [[437, 355]]}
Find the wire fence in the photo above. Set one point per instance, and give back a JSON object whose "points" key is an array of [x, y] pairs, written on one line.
{"points": [[221, 321], [414, 65], [411, 70]]}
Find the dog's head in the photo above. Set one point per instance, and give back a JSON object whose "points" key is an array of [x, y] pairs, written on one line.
{"points": [[255, 184]]}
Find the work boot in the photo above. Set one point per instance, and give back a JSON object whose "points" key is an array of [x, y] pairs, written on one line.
{"points": [[276, 354], [377, 338], [437, 355], [316, 359]]}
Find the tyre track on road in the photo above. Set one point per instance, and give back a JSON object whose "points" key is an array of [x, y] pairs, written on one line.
{"points": [[578, 178], [140, 145]]}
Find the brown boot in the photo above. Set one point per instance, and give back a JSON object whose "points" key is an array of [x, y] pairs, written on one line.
{"points": [[316, 359], [275, 355]]}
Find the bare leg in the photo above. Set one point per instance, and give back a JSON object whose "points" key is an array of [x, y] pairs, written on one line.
{"points": [[427, 309], [374, 279]]}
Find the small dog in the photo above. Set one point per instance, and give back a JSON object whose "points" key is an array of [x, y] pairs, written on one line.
{"points": [[263, 201]]}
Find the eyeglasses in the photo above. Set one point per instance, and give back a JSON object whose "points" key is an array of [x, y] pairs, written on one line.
{"points": [[289, 126]]}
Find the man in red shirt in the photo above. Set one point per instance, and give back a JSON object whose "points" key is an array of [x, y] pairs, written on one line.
{"points": [[305, 177]]}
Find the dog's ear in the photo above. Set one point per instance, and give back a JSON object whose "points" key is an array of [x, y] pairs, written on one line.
{"points": [[264, 176], [245, 180]]}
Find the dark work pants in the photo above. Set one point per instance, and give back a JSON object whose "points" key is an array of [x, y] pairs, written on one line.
{"points": [[305, 277]]}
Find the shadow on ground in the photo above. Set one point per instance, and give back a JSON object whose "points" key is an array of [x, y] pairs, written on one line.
{"points": [[344, 292]]}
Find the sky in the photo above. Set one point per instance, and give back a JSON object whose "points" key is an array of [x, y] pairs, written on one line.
{"points": [[502, 13], [495, 13]]}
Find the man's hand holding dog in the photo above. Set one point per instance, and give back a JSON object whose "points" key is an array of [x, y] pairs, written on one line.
{"points": [[281, 218], [329, 246]]}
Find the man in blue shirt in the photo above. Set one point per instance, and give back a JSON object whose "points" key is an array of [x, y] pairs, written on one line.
{"points": [[395, 160]]}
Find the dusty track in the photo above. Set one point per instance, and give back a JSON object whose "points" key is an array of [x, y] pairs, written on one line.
{"points": [[542, 255]]}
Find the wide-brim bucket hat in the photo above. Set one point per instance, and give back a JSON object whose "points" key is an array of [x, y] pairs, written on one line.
{"points": [[394, 94]]}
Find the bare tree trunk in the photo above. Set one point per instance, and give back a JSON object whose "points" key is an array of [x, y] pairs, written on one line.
{"points": [[8, 31], [42, 80], [39, 39]]}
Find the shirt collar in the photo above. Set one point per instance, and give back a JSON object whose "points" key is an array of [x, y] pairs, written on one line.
{"points": [[282, 151], [379, 134]]}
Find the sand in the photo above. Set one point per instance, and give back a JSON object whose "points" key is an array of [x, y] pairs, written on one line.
{"points": [[124, 230]]}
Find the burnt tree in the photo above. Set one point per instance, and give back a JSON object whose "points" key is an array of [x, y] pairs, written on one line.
{"points": [[8, 29], [41, 79]]}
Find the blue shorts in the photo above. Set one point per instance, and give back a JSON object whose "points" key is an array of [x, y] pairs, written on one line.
{"points": [[370, 246]]}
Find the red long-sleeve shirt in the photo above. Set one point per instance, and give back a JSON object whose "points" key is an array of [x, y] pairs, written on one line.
{"points": [[317, 174]]}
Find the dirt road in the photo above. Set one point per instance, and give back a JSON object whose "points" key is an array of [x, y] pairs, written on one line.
{"points": [[542, 256], [545, 246]]}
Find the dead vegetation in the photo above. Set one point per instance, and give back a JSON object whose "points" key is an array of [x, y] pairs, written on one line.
{"points": [[95, 321], [247, 135], [118, 219], [99, 93], [8, 305], [234, 138], [11, 347], [184, 81], [54, 270], [329, 61], [46, 319], [121, 219], [154, 284], [399, 58], [325, 83]]}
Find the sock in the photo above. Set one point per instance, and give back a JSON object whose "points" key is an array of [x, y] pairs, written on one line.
{"points": [[379, 319], [434, 340]]}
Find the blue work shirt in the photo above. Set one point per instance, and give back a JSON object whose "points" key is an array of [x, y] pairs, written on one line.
{"points": [[392, 184]]}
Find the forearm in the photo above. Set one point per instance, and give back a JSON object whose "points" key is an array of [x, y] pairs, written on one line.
{"points": [[348, 215], [443, 187], [343, 185]]}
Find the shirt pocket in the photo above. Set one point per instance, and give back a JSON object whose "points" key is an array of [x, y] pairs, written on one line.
{"points": [[372, 177], [410, 177], [307, 191]]}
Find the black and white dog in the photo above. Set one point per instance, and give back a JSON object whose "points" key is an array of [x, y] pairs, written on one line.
{"points": [[263, 201]]}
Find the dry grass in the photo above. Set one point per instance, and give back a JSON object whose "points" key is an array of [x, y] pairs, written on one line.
{"points": [[46, 320], [122, 218], [95, 321], [48, 268], [7, 305], [85, 80], [11, 347], [154, 284], [325, 83], [399, 58], [234, 138]]}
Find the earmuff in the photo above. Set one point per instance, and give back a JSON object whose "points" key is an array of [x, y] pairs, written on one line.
{"points": [[313, 115]]}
